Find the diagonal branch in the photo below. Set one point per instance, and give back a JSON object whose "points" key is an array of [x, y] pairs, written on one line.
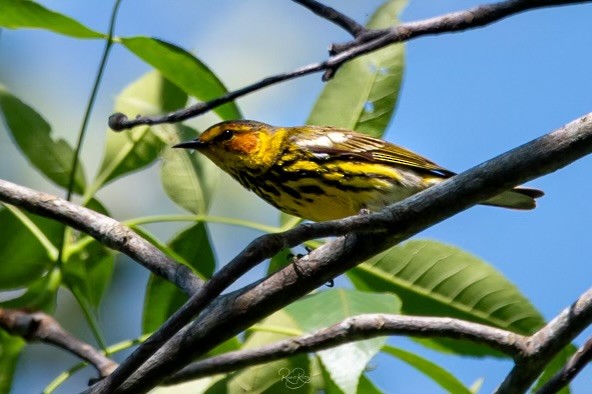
{"points": [[38, 326], [369, 41], [104, 229], [574, 366], [547, 342], [355, 329], [402, 220], [334, 16]]}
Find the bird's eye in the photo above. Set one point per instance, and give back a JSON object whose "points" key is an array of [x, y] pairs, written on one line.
{"points": [[225, 135]]}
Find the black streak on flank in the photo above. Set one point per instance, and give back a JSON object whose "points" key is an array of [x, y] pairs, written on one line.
{"points": [[311, 189]]}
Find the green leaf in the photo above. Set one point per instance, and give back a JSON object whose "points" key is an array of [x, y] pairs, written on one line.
{"points": [[344, 363], [184, 70], [434, 279], [28, 14], [433, 371], [10, 349], [193, 248], [23, 257], [189, 179], [52, 157], [132, 150], [88, 272], [287, 375], [40, 295], [558, 362], [279, 261], [366, 386], [363, 94]]}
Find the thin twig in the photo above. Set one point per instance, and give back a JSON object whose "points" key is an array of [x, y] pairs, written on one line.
{"points": [[367, 42], [334, 16], [38, 326], [104, 229], [402, 220], [574, 366], [352, 329]]}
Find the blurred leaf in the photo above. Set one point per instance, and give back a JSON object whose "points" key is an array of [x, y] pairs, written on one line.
{"points": [[366, 386], [433, 371], [279, 261], [28, 14], [434, 279], [132, 150], [97, 206], [189, 179], [184, 70], [40, 295], [287, 375], [162, 297], [558, 362], [32, 134], [88, 272], [10, 349], [23, 258], [363, 94], [345, 363]]}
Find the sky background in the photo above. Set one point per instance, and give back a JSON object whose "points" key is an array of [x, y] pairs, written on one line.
{"points": [[466, 98]]}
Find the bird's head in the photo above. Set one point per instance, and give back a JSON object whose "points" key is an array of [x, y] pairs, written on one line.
{"points": [[239, 144]]}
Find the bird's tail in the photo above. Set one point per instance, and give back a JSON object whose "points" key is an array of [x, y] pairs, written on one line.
{"points": [[517, 198]]}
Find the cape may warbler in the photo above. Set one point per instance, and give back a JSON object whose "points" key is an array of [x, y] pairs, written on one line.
{"points": [[322, 173]]}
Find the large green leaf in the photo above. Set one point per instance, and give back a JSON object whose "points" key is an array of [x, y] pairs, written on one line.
{"points": [[291, 375], [363, 94], [433, 371], [435, 279], [344, 363], [10, 349], [52, 157], [40, 295], [132, 150], [188, 179], [184, 70], [23, 256], [15, 14], [88, 272], [193, 248]]}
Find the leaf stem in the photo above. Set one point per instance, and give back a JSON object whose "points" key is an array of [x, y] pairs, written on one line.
{"points": [[201, 218]]}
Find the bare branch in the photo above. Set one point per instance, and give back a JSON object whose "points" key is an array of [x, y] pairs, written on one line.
{"points": [[355, 329], [402, 220], [574, 366], [547, 342], [334, 16], [104, 229], [369, 41], [38, 326]]}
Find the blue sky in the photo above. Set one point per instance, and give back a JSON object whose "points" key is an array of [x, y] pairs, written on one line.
{"points": [[466, 97]]}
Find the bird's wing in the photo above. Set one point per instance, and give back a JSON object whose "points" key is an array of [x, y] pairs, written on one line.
{"points": [[331, 143]]}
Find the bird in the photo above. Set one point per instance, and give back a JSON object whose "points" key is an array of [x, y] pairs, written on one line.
{"points": [[322, 173]]}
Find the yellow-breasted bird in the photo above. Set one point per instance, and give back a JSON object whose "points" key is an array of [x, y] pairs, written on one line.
{"points": [[321, 173]]}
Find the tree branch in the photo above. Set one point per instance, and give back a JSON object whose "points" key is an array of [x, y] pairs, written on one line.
{"points": [[402, 220], [574, 366], [104, 229], [355, 329], [546, 343], [369, 41], [38, 326], [334, 16]]}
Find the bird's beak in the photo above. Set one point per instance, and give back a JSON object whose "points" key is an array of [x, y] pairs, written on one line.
{"points": [[193, 144]]}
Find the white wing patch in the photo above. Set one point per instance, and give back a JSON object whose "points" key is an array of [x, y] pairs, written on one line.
{"points": [[327, 141]]}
